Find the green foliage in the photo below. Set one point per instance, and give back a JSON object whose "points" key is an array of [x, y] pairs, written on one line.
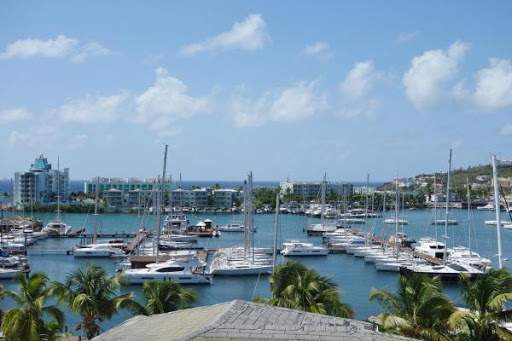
{"points": [[417, 309], [486, 300], [92, 295], [295, 286], [166, 296], [264, 197], [27, 321]]}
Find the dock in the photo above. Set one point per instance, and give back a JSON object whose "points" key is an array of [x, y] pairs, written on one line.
{"points": [[381, 241], [137, 239]]}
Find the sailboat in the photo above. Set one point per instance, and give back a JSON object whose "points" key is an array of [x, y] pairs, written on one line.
{"points": [[322, 227], [57, 227], [246, 260], [99, 250], [448, 270]]}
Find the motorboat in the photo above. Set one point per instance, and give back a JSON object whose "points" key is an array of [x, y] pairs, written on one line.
{"points": [[449, 272], [9, 273], [56, 228], [431, 248], [99, 250], [190, 271], [488, 207], [299, 248], [462, 254], [176, 222], [233, 227]]}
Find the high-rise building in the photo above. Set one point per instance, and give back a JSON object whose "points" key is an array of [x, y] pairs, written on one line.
{"points": [[41, 184]]}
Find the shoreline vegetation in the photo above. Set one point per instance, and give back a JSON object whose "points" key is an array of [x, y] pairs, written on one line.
{"points": [[417, 309]]}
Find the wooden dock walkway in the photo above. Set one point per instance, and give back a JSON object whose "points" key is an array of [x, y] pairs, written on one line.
{"points": [[137, 239]]}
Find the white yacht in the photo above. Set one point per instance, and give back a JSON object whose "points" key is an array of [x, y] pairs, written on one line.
{"points": [[401, 239], [449, 272], [236, 226], [99, 250], [299, 248], [240, 267], [9, 273], [56, 228], [432, 248], [191, 271], [462, 254], [175, 222], [488, 207]]}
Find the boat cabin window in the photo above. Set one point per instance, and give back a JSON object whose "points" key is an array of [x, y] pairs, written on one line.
{"points": [[171, 269], [457, 267]]}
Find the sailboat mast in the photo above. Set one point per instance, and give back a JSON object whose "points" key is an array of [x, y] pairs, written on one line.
{"points": [[469, 215], [276, 227], [158, 205], [497, 210], [95, 222], [322, 212], [366, 194], [435, 206], [448, 184], [58, 188], [396, 211]]}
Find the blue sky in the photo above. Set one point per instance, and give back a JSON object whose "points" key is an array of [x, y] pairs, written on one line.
{"points": [[287, 89]]}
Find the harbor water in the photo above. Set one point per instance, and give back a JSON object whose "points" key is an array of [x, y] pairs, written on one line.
{"points": [[355, 277]]}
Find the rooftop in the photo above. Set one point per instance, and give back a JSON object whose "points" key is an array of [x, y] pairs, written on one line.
{"points": [[243, 320]]}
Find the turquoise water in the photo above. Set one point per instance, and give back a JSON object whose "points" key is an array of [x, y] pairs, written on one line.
{"points": [[355, 277]]}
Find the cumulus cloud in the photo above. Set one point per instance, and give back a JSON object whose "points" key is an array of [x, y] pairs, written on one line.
{"points": [[166, 102], [11, 115], [403, 38], [295, 103], [249, 34], [356, 89], [506, 130], [493, 89], [429, 72], [319, 49], [94, 108], [60, 47], [41, 137]]}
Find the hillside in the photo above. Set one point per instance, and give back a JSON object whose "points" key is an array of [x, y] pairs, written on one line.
{"points": [[460, 175]]}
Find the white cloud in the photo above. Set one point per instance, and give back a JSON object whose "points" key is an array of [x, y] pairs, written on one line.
{"points": [[295, 103], [506, 130], [41, 137], [94, 108], [11, 115], [89, 50], [356, 89], [249, 34], [428, 72], [493, 90], [60, 47], [77, 142], [403, 38], [166, 102], [319, 49]]}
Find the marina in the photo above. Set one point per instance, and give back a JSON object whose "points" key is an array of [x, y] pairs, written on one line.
{"points": [[354, 275]]}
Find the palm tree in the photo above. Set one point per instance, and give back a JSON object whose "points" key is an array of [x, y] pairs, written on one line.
{"points": [[92, 295], [166, 296], [295, 286], [26, 321], [486, 300], [417, 309]]}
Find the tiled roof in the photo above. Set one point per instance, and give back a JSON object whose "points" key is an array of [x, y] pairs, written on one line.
{"points": [[242, 320]]}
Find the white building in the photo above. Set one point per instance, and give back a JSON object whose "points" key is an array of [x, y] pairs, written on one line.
{"points": [[224, 197], [41, 184], [190, 198], [313, 189]]}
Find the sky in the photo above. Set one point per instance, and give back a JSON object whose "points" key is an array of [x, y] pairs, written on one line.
{"points": [[285, 89]]}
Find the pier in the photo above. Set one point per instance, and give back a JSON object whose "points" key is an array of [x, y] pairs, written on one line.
{"points": [[381, 241], [137, 239]]}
